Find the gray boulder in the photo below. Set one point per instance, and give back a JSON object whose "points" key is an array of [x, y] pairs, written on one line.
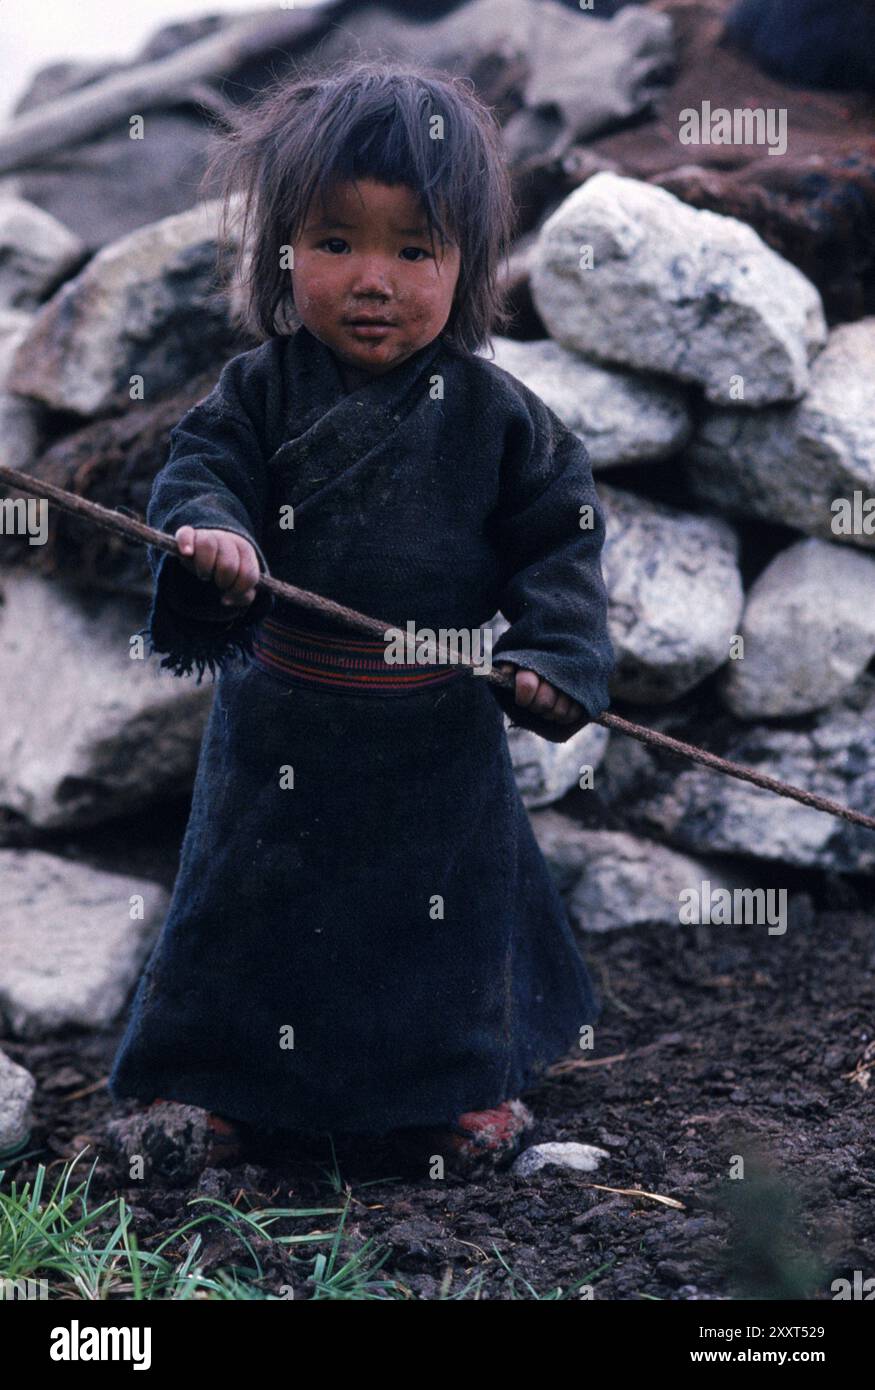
{"points": [[545, 771], [675, 290], [621, 417], [89, 732], [19, 424], [808, 630], [17, 1088], [576, 77], [74, 941], [584, 79], [675, 595], [612, 879], [143, 307], [811, 466], [695, 809], [36, 253]]}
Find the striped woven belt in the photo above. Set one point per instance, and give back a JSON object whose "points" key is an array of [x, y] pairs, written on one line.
{"points": [[338, 661]]}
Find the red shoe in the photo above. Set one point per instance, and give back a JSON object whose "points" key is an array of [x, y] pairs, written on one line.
{"points": [[493, 1136]]}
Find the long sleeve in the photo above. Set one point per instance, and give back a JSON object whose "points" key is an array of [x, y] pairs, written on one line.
{"points": [[214, 478], [553, 593]]}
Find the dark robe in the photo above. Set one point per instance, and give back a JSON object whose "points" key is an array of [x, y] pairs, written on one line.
{"points": [[391, 910]]}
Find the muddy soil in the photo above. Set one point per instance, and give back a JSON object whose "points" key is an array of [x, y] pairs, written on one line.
{"points": [[721, 1051]]}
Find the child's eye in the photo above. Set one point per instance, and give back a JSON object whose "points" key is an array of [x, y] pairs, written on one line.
{"points": [[335, 241]]}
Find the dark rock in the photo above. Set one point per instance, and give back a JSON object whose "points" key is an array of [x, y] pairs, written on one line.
{"points": [[109, 186], [816, 43], [815, 205], [673, 1272], [112, 462], [175, 1142]]}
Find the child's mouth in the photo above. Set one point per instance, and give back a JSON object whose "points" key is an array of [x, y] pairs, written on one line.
{"points": [[370, 329]]}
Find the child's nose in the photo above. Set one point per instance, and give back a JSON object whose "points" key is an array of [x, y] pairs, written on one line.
{"points": [[372, 276]]}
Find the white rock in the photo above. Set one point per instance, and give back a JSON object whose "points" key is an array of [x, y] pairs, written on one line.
{"points": [[36, 252], [87, 732], [672, 289], [574, 1158], [675, 595], [621, 417], [621, 880], [562, 843], [793, 465], [545, 771], [19, 429], [17, 1087], [630, 882], [808, 629], [74, 940]]}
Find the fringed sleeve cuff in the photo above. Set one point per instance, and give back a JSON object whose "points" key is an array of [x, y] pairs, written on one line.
{"points": [[188, 622]]}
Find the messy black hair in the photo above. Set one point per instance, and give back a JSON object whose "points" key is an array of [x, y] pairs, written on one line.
{"points": [[397, 123]]}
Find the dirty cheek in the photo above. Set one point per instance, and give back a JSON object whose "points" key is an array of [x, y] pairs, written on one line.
{"points": [[313, 288]]}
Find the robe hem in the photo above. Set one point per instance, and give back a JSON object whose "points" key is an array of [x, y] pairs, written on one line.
{"points": [[405, 1118]]}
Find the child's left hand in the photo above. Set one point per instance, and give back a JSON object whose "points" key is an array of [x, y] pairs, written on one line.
{"points": [[539, 697]]}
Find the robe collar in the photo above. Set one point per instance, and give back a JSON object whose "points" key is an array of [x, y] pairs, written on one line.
{"points": [[318, 386], [329, 432]]}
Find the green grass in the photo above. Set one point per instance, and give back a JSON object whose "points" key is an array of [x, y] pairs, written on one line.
{"points": [[90, 1252]]}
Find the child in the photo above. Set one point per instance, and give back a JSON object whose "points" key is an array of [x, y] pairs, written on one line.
{"points": [[363, 935]]}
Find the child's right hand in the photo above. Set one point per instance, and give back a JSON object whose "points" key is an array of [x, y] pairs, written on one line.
{"points": [[229, 560]]}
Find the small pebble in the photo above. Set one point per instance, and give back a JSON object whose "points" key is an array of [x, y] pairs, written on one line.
{"points": [[576, 1158]]}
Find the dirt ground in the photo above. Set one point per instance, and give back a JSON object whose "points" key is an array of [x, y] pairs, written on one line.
{"points": [[717, 1044]]}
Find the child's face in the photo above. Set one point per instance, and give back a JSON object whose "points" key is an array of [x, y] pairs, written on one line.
{"points": [[367, 254]]}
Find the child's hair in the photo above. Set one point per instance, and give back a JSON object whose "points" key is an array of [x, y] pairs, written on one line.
{"points": [[365, 119]]}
